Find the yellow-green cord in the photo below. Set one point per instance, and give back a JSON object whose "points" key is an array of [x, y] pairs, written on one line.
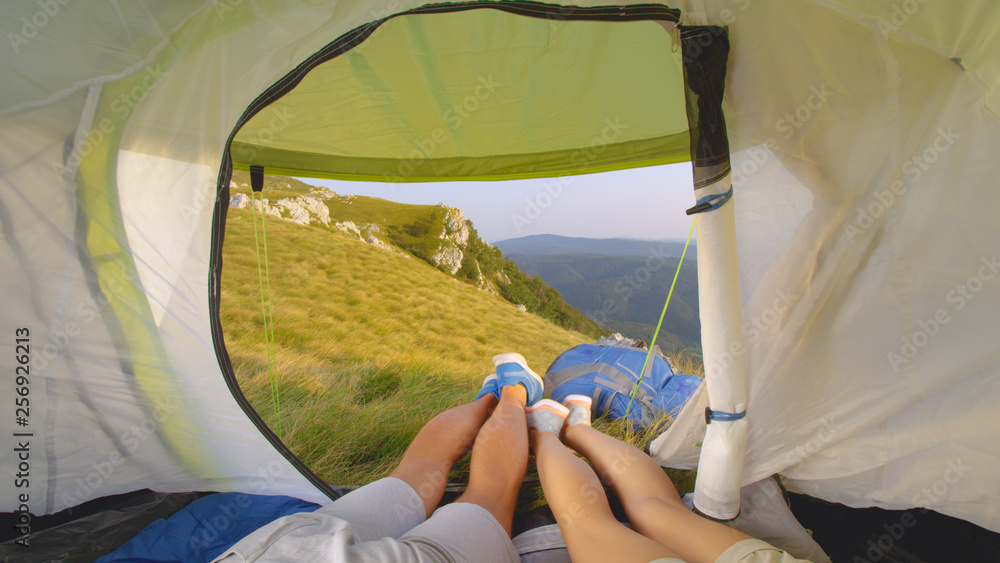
{"points": [[266, 311], [656, 333]]}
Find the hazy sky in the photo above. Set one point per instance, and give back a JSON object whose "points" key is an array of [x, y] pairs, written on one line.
{"points": [[638, 203]]}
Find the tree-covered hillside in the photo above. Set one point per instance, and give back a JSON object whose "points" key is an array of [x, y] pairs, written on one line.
{"points": [[626, 293]]}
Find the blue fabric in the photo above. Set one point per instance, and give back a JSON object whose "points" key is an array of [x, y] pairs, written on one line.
{"points": [[512, 373], [715, 201], [204, 529], [722, 416], [490, 387], [665, 390]]}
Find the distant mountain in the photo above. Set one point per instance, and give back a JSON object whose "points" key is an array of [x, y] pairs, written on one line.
{"points": [[626, 293], [556, 244]]}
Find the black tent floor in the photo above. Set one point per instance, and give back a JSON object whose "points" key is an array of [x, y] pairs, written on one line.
{"points": [[848, 535], [90, 530], [874, 535]]}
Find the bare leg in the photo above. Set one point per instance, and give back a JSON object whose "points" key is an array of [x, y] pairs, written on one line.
{"points": [[578, 502], [499, 458], [445, 438], [651, 502]]}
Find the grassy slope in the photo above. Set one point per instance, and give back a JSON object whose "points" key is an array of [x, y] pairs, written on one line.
{"points": [[370, 344], [415, 229]]}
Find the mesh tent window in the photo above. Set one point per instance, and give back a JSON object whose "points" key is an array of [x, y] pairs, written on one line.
{"points": [[487, 91]]}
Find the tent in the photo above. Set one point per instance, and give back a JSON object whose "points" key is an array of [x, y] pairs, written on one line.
{"points": [[847, 236]]}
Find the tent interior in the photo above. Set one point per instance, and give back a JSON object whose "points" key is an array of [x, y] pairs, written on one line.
{"points": [[842, 152]]}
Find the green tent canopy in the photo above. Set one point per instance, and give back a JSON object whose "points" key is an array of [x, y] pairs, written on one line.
{"points": [[459, 92]]}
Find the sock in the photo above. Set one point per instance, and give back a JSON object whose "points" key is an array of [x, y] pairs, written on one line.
{"points": [[579, 409], [490, 386], [546, 415]]}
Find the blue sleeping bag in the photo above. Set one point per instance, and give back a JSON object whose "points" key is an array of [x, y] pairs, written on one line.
{"points": [[608, 374], [204, 529]]}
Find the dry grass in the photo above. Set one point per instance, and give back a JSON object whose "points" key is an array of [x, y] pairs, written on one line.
{"points": [[687, 362]]}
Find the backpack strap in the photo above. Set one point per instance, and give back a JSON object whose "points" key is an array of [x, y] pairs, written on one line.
{"points": [[615, 378]]}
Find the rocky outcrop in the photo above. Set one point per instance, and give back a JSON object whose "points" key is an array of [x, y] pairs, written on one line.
{"points": [[374, 241], [456, 227], [318, 208], [616, 340], [503, 278], [448, 258], [239, 201], [484, 283], [302, 209], [294, 212], [454, 237], [349, 227], [268, 210]]}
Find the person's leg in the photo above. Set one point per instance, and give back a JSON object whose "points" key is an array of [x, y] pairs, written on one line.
{"points": [[649, 497], [445, 438], [500, 454], [578, 502], [500, 458]]}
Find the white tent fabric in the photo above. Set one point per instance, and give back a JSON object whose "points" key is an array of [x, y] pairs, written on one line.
{"points": [[171, 89], [864, 138]]}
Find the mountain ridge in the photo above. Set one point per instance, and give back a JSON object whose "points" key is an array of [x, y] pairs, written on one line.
{"points": [[549, 244]]}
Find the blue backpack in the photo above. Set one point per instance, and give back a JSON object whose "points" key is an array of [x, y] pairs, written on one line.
{"points": [[608, 374]]}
